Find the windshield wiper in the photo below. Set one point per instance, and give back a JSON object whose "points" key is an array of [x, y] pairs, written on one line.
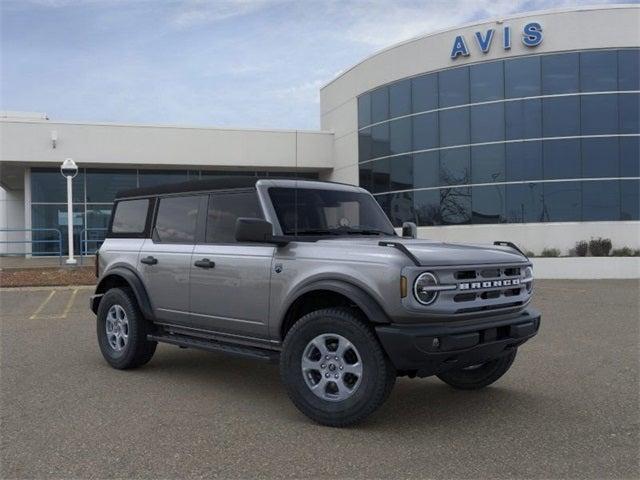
{"points": [[362, 231], [315, 231]]}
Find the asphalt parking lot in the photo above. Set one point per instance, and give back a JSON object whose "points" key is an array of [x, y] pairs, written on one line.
{"points": [[569, 407]]}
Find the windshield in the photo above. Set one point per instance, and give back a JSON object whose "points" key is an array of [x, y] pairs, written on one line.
{"points": [[306, 211]]}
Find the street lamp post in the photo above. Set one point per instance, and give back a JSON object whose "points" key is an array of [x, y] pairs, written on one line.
{"points": [[69, 170]]}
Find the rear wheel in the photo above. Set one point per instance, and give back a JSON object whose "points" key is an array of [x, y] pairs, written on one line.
{"points": [[122, 330], [334, 368], [479, 376]]}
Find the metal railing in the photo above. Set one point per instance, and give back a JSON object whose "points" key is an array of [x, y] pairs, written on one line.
{"points": [[85, 241], [57, 241]]}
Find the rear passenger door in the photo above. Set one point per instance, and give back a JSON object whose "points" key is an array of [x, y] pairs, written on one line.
{"points": [[165, 258], [230, 280]]}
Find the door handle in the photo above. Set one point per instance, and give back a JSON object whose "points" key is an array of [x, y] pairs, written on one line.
{"points": [[204, 263], [149, 260]]}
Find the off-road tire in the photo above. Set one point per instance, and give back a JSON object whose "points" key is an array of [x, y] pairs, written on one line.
{"points": [[378, 376], [138, 350], [480, 377]]}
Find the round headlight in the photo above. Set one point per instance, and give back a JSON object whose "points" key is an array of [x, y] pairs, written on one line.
{"points": [[528, 275], [422, 288]]}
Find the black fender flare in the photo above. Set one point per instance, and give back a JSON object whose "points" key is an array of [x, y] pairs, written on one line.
{"points": [[134, 282]]}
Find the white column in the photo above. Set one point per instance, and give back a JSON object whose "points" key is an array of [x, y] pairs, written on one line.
{"points": [[70, 260]]}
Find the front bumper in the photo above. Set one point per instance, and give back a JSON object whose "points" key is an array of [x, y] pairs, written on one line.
{"points": [[431, 349]]}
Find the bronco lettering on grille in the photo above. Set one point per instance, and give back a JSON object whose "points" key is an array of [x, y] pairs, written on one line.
{"points": [[491, 284]]}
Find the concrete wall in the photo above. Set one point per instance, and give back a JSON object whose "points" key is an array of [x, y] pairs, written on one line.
{"points": [[588, 268], [11, 217]]}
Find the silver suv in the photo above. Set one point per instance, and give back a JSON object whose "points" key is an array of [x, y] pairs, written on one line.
{"points": [[313, 275]]}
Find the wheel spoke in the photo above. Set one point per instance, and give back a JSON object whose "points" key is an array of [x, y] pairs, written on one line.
{"points": [[354, 369], [320, 344], [308, 364]]}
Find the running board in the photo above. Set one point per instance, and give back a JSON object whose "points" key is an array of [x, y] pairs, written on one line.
{"points": [[214, 346]]}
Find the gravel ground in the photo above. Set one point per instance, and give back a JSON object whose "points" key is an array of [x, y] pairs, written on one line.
{"points": [[47, 276], [568, 408]]}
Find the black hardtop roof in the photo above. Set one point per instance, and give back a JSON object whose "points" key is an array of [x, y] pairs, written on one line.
{"points": [[217, 183]]}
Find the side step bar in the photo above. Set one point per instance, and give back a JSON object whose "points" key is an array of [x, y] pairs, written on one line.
{"points": [[214, 346]]}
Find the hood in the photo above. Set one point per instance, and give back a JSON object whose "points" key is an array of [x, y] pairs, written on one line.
{"points": [[433, 253]]}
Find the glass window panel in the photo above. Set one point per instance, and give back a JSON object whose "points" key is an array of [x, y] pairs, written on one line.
{"points": [[400, 98], [455, 166], [426, 169], [629, 113], [487, 123], [630, 200], [49, 186], [226, 173], [380, 141], [401, 208], [102, 185], [365, 176], [629, 69], [562, 202], [364, 144], [455, 205], [487, 81], [600, 201], [383, 201], [523, 161], [599, 71], [224, 209], [523, 119], [364, 110], [453, 87], [425, 131], [487, 164], [599, 114], [176, 219], [561, 159], [380, 104], [600, 157], [454, 127], [560, 73], [630, 156], [524, 203], [424, 92], [381, 175], [427, 207], [400, 135], [54, 217], [561, 116], [150, 178], [401, 172], [130, 216], [97, 224], [488, 204], [522, 77]]}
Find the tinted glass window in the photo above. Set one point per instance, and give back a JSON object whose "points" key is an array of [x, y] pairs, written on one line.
{"points": [[400, 98], [630, 157], [49, 186], [380, 141], [401, 172], [600, 201], [562, 202], [379, 105], [560, 73], [487, 164], [523, 161], [487, 81], [561, 159], [523, 119], [488, 204], [364, 144], [53, 217], [453, 87], [487, 123], [599, 114], [454, 127], [364, 110], [427, 207], [224, 209], [629, 70], [455, 166], [426, 169], [130, 216], [629, 113], [381, 175], [600, 157], [425, 131], [176, 219], [160, 177], [400, 135], [424, 93], [365, 176], [522, 77], [561, 116], [599, 71], [630, 200], [455, 205], [401, 208], [102, 185], [524, 203]]}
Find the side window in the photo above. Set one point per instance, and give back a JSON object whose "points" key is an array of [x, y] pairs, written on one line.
{"points": [[176, 219], [224, 210], [130, 216]]}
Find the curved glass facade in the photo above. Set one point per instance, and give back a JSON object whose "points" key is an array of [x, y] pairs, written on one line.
{"points": [[545, 138]]}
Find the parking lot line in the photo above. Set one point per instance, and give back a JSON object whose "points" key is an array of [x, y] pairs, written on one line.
{"points": [[36, 315], [42, 305]]}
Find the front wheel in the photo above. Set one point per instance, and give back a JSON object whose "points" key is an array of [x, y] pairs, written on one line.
{"points": [[334, 368], [479, 376]]}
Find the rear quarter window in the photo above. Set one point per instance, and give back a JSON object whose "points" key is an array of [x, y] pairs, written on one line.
{"points": [[130, 216]]}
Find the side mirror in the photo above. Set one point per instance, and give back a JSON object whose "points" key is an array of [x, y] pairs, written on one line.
{"points": [[255, 230], [409, 230]]}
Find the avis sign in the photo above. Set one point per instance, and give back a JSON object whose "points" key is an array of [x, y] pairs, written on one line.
{"points": [[531, 37]]}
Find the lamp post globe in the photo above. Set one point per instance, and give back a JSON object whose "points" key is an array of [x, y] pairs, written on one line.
{"points": [[69, 169]]}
